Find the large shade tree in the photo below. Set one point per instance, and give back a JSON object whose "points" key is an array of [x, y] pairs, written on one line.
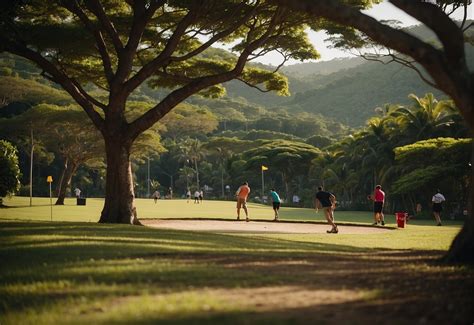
{"points": [[445, 64], [119, 45]]}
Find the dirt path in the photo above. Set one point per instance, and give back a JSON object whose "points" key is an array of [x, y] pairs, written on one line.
{"points": [[257, 227]]}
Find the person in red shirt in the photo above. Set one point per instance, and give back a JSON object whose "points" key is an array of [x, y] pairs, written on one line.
{"points": [[379, 199], [242, 194]]}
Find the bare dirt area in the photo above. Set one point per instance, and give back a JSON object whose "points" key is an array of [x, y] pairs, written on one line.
{"points": [[257, 227]]}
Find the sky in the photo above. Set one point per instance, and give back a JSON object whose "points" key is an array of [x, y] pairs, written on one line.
{"points": [[383, 11]]}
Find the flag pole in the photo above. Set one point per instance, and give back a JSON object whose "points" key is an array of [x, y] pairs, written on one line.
{"points": [[263, 185]]}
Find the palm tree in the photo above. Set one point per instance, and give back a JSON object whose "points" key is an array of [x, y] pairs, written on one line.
{"points": [[195, 153], [426, 118], [222, 156]]}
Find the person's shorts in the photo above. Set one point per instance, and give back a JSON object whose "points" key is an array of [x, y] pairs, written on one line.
{"points": [[276, 205], [437, 207], [241, 202], [378, 207]]}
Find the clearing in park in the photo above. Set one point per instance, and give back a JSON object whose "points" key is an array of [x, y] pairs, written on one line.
{"points": [[184, 269]]}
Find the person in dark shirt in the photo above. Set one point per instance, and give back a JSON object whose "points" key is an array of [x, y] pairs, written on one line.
{"points": [[327, 202]]}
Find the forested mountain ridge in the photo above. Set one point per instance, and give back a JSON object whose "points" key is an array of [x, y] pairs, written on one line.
{"points": [[351, 92], [348, 95]]}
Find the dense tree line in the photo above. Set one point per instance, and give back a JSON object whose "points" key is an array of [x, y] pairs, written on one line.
{"points": [[216, 147], [354, 165]]}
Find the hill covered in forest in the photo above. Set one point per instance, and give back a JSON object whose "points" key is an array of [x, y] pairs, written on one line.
{"points": [[347, 90]]}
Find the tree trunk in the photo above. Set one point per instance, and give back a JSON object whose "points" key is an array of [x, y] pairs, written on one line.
{"points": [[119, 193], [61, 179], [287, 187], [68, 172], [222, 181], [462, 247], [197, 174]]}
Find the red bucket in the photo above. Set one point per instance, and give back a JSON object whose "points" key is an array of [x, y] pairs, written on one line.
{"points": [[401, 218]]}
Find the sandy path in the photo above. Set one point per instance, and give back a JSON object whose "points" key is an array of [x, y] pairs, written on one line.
{"points": [[257, 227]]}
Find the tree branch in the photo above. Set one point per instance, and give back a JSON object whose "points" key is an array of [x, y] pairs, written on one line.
{"points": [[58, 77], [435, 18], [141, 17], [161, 109], [447, 71], [96, 8], [395, 58], [87, 96], [253, 86], [74, 8], [164, 57], [216, 37]]}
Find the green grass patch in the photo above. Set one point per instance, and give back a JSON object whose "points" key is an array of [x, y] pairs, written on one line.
{"points": [[18, 208], [72, 271]]}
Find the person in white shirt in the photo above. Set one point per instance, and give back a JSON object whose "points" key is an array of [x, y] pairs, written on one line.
{"points": [[77, 191], [188, 195], [196, 196], [438, 200]]}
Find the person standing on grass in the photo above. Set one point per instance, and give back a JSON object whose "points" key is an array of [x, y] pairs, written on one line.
{"points": [[77, 192], [242, 193], [201, 195], [437, 201], [156, 196], [188, 195], [276, 202], [327, 202], [196, 197], [379, 200]]}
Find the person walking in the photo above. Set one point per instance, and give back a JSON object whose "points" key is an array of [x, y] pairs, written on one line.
{"points": [[437, 201], [379, 200], [201, 195], [327, 202], [276, 202], [242, 193]]}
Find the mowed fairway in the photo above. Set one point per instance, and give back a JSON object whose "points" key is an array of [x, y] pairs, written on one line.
{"points": [[75, 271], [147, 209]]}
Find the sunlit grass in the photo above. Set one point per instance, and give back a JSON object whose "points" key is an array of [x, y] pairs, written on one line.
{"points": [[73, 272], [19, 209]]}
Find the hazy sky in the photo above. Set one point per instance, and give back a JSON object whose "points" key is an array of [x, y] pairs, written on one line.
{"points": [[383, 11]]}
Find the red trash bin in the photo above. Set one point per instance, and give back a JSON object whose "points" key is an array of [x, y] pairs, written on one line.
{"points": [[401, 218]]}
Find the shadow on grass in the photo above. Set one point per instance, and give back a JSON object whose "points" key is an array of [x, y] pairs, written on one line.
{"points": [[46, 263]]}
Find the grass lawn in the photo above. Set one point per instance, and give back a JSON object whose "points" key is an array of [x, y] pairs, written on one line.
{"points": [[75, 271]]}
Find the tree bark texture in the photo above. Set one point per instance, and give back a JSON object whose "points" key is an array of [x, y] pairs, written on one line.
{"points": [[118, 207], [68, 172]]}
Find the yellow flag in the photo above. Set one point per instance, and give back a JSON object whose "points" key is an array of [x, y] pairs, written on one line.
{"points": [[264, 168]]}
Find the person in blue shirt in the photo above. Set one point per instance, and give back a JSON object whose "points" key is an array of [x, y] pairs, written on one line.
{"points": [[276, 202]]}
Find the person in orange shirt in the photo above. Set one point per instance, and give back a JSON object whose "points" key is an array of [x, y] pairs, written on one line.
{"points": [[242, 194]]}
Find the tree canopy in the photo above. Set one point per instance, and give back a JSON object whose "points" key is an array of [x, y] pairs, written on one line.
{"points": [[117, 46], [9, 170]]}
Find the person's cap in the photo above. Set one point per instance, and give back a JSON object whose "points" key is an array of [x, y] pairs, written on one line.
{"points": [[378, 186]]}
